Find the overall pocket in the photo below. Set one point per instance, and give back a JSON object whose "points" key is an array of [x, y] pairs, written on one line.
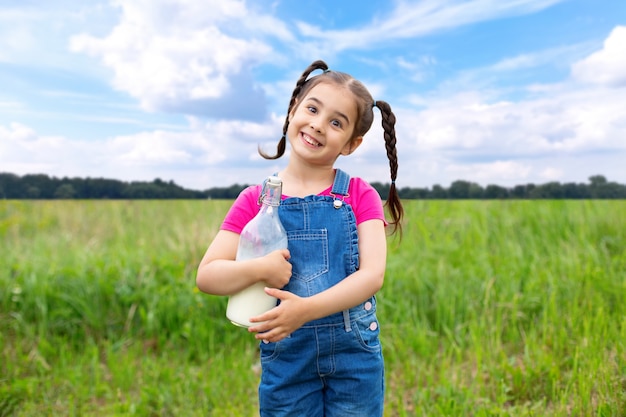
{"points": [[367, 331], [309, 253]]}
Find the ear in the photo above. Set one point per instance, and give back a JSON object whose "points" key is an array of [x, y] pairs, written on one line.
{"points": [[352, 145]]}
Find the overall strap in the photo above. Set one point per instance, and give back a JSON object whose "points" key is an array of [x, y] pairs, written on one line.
{"points": [[340, 187], [341, 183]]}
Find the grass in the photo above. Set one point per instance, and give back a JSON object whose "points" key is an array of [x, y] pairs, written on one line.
{"points": [[490, 308]]}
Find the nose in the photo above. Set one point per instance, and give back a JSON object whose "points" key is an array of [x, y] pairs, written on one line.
{"points": [[316, 126]]}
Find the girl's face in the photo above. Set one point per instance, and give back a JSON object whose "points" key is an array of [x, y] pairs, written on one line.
{"points": [[322, 124]]}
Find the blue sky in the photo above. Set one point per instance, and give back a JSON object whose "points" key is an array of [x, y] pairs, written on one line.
{"points": [[492, 91]]}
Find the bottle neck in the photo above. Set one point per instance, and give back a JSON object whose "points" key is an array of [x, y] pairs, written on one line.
{"points": [[271, 194]]}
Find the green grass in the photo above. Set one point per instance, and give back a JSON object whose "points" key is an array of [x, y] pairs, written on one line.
{"points": [[490, 308]]}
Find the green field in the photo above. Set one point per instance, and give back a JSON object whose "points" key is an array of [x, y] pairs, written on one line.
{"points": [[489, 308]]}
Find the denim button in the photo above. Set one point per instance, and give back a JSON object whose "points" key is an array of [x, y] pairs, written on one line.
{"points": [[373, 326], [368, 306]]}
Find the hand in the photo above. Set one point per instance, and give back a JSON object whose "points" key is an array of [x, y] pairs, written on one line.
{"points": [[278, 268], [282, 320]]}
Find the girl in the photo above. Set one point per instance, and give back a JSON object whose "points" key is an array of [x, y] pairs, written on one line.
{"points": [[320, 348]]}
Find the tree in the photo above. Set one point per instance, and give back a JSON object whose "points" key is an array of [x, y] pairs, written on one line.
{"points": [[601, 188], [44, 185], [476, 191], [460, 189], [519, 191], [413, 193], [65, 191], [32, 192], [11, 186], [551, 190], [438, 192], [496, 191], [597, 180], [103, 188], [575, 191]]}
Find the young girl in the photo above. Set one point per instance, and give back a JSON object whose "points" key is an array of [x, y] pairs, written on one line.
{"points": [[320, 348]]}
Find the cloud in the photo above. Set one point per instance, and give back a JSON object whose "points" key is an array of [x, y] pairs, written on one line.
{"points": [[22, 150], [554, 131], [564, 121], [473, 134], [504, 171], [410, 19], [607, 66], [178, 57], [210, 62], [205, 155]]}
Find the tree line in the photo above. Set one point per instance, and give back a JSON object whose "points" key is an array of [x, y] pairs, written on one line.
{"points": [[597, 188], [41, 186]]}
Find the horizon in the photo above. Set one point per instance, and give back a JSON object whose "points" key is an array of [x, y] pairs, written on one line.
{"points": [[588, 181]]}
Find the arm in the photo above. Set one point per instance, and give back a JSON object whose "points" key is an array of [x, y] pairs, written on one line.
{"points": [[220, 274], [294, 311]]}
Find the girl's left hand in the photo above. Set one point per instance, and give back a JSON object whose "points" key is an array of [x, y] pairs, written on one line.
{"points": [[282, 320]]}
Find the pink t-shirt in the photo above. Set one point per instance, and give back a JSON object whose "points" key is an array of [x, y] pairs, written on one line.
{"points": [[363, 198]]}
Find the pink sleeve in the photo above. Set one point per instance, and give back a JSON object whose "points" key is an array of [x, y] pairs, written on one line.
{"points": [[365, 201], [243, 210]]}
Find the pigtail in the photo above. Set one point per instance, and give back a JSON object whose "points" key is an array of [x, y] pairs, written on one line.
{"points": [[393, 204], [282, 144]]}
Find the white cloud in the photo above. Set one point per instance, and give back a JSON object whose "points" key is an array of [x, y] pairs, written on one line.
{"points": [[565, 121], [561, 130], [607, 66], [203, 156], [23, 151], [16, 133], [491, 172], [186, 56]]}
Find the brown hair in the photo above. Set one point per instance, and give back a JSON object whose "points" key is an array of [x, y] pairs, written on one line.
{"points": [[365, 117]]}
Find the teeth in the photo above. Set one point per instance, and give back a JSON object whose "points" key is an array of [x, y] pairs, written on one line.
{"points": [[311, 141]]}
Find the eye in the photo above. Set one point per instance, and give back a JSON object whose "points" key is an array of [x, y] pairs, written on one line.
{"points": [[312, 109], [336, 123]]}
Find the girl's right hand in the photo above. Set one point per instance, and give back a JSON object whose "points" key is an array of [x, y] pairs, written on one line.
{"points": [[277, 268]]}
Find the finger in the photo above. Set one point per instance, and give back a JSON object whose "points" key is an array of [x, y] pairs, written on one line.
{"points": [[276, 293], [271, 336], [272, 291], [259, 328], [264, 336]]}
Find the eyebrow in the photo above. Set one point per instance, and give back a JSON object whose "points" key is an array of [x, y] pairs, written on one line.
{"points": [[340, 114]]}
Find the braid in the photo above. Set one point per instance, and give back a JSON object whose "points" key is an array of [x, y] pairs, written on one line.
{"points": [[393, 200], [280, 149]]}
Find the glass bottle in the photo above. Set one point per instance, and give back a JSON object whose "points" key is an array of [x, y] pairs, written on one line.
{"points": [[262, 235]]}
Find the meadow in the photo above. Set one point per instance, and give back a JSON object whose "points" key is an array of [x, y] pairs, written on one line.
{"points": [[489, 308]]}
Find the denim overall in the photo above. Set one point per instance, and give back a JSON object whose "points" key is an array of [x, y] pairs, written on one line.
{"points": [[332, 366]]}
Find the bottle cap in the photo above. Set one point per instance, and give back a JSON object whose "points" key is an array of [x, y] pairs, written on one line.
{"points": [[277, 185]]}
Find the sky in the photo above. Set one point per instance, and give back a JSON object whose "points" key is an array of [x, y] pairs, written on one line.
{"points": [[501, 92]]}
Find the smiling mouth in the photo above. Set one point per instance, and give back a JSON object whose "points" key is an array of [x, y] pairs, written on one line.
{"points": [[308, 139]]}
